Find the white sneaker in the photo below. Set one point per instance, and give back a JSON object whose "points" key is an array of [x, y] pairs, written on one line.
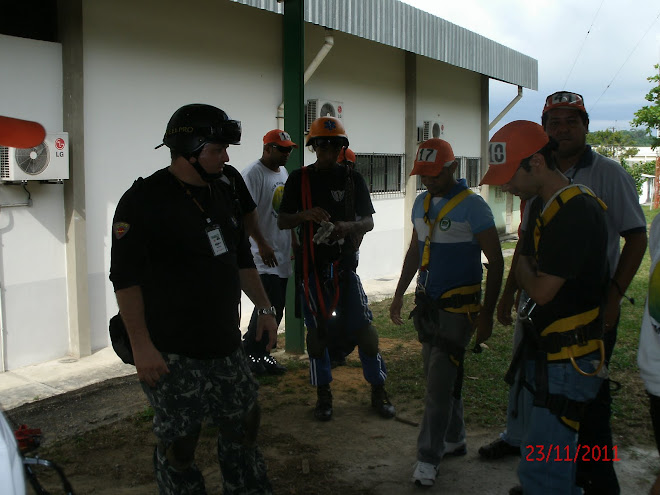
{"points": [[425, 474]]}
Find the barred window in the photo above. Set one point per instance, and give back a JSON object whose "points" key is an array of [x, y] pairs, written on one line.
{"points": [[472, 170], [469, 168], [383, 173]]}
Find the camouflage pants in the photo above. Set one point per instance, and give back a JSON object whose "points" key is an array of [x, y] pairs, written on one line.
{"points": [[223, 392]]}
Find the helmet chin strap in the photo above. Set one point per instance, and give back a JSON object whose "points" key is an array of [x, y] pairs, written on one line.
{"points": [[206, 177]]}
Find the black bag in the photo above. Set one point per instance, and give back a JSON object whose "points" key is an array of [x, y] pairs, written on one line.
{"points": [[120, 341]]}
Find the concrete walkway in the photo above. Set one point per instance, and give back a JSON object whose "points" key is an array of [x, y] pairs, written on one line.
{"points": [[36, 382]]}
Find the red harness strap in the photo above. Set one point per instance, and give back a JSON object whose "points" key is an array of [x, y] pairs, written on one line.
{"points": [[309, 233]]}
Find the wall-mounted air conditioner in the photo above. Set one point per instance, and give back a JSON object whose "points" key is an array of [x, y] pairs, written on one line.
{"points": [[322, 108], [48, 161], [430, 129]]}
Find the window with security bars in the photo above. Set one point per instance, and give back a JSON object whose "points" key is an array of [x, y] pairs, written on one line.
{"points": [[383, 173], [469, 168]]}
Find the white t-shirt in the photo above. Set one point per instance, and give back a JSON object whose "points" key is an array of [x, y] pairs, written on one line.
{"points": [[11, 464], [266, 188], [648, 355]]}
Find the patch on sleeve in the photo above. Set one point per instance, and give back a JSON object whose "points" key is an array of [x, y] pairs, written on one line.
{"points": [[120, 229]]}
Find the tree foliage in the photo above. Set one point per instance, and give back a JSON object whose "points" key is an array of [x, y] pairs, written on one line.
{"points": [[636, 170], [615, 144], [649, 115]]}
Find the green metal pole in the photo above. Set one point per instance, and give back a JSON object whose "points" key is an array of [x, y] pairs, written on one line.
{"points": [[294, 54]]}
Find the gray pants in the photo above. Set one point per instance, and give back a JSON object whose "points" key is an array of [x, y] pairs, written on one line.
{"points": [[442, 423]]}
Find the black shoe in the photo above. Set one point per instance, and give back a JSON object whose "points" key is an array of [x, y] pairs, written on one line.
{"points": [[256, 365], [380, 402], [323, 409], [498, 449], [271, 366], [516, 490]]}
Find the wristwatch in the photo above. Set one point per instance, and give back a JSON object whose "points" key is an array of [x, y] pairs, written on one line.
{"points": [[267, 311]]}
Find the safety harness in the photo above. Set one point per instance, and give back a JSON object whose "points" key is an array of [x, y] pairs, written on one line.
{"points": [[564, 339], [309, 252], [464, 299]]}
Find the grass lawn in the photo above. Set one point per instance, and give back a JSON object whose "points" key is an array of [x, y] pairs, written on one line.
{"points": [[484, 389]]}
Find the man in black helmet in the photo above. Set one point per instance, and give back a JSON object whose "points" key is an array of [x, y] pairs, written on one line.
{"points": [[180, 257]]}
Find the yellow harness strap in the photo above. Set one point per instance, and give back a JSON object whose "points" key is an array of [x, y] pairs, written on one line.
{"points": [[566, 325], [553, 208], [426, 255], [473, 307], [450, 205]]}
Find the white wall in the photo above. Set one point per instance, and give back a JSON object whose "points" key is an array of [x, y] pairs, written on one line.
{"points": [[32, 250], [229, 55], [452, 96], [169, 54]]}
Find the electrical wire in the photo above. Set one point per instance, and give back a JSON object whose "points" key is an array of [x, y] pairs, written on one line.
{"points": [[626, 61], [577, 56]]}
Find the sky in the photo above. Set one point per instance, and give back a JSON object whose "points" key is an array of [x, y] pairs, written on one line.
{"points": [[603, 49]]}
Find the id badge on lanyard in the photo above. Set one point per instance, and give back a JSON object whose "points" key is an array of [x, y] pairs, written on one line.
{"points": [[218, 245]]}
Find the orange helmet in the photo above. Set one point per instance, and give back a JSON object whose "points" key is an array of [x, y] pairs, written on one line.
{"points": [[326, 127], [508, 146], [432, 156]]}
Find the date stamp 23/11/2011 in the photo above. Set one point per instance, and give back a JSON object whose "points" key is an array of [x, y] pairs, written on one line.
{"points": [[584, 453]]}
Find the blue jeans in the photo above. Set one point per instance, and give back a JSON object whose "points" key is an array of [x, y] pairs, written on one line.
{"points": [[544, 474], [349, 325]]}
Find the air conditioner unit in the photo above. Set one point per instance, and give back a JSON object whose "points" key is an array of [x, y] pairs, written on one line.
{"points": [[46, 161], [322, 108], [429, 130]]}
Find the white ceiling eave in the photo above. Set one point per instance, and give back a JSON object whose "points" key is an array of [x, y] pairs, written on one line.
{"points": [[403, 26]]}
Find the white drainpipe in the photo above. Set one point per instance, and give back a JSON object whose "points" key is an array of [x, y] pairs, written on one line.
{"points": [[327, 46], [506, 110]]}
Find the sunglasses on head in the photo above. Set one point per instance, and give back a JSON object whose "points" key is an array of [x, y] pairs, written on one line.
{"points": [[282, 149], [564, 97]]}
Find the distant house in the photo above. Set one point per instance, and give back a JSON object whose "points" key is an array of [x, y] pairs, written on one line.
{"points": [[646, 154]]}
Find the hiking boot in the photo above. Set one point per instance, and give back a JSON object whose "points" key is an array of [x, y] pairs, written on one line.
{"points": [[271, 366], [516, 490], [425, 474], [498, 449], [323, 409], [380, 402], [256, 365]]}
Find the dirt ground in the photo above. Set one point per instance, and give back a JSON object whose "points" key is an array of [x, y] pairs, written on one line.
{"points": [[102, 439]]}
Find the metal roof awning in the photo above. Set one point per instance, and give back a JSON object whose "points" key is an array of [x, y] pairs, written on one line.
{"points": [[396, 24]]}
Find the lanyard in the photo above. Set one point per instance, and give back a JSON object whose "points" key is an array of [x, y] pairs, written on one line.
{"points": [[194, 199], [309, 252], [426, 256]]}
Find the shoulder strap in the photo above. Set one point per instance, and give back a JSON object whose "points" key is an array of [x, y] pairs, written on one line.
{"points": [[556, 204], [450, 205]]}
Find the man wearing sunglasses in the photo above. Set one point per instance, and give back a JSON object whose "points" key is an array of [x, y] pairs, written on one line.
{"points": [[271, 247], [331, 204]]}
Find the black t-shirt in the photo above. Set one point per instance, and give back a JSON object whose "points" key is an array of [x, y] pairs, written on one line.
{"points": [[329, 191], [573, 246], [160, 243]]}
